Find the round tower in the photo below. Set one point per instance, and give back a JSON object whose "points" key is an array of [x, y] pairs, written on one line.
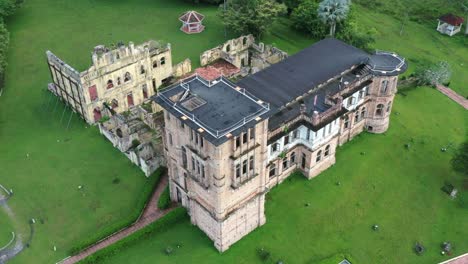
{"points": [[385, 67]]}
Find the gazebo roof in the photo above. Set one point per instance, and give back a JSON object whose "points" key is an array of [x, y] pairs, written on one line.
{"points": [[452, 19], [191, 17]]}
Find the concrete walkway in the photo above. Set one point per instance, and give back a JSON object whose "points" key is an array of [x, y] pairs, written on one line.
{"points": [[453, 95], [150, 214], [463, 259]]}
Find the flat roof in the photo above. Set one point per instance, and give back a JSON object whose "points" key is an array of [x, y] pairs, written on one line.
{"points": [[219, 107], [283, 82]]}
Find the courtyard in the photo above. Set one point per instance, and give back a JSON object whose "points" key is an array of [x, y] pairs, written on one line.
{"points": [[381, 182]]}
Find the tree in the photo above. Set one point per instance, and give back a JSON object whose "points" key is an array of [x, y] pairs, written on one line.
{"points": [[251, 16], [305, 18], [460, 159], [436, 74], [333, 11], [465, 9]]}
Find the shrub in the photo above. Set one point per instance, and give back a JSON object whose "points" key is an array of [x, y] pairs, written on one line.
{"points": [[148, 188], [135, 143], [264, 254], [174, 216], [305, 19], [164, 200]]}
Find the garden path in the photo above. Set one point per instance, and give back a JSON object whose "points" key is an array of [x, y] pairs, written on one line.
{"points": [[453, 95]]}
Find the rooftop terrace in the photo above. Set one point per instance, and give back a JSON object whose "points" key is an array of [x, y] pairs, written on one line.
{"points": [[217, 108]]}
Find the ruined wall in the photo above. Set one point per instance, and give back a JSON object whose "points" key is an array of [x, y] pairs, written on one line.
{"points": [[182, 68], [233, 51]]}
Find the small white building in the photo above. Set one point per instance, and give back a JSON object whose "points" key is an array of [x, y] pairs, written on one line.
{"points": [[449, 24]]}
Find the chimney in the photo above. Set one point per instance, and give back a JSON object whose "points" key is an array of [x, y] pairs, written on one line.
{"points": [[315, 118]]}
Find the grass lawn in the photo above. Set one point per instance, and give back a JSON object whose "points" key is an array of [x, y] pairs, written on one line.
{"points": [[45, 184], [7, 228], [421, 43], [396, 188]]}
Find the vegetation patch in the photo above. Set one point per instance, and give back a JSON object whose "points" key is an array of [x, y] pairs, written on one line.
{"points": [[162, 224], [164, 201], [104, 232]]}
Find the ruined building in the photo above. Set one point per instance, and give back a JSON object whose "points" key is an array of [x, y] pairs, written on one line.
{"points": [[244, 54], [118, 79], [227, 144]]}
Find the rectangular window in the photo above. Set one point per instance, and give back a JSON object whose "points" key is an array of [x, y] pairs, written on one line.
{"points": [[286, 140], [193, 163], [329, 128], [244, 167], [238, 171], [293, 157], [251, 163], [324, 131], [303, 162], [182, 125], [168, 116], [285, 163], [244, 138], [252, 133], [295, 134], [272, 171], [274, 147], [203, 171], [201, 141], [191, 134], [170, 139], [308, 134], [198, 168], [237, 143], [196, 137], [93, 93]]}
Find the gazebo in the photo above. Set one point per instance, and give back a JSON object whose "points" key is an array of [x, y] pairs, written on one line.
{"points": [[192, 22], [450, 24]]}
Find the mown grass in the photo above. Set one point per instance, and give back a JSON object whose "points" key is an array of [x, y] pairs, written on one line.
{"points": [[6, 228], [397, 188]]}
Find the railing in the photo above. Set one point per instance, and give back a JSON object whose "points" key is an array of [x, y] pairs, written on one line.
{"points": [[214, 132], [388, 68]]}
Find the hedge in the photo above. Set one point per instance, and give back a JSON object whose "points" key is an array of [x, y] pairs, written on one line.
{"points": [[174, 216], [164, 200], [104, 232]]}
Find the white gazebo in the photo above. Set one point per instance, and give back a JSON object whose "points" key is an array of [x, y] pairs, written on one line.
{"points": [[192, 22], [450, 24]]}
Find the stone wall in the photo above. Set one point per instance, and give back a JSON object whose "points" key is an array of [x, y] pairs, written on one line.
{"points": [[182, 68]]}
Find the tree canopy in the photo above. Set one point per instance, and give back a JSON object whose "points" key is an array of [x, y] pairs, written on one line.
{"points": [[7, 8], [460, 159], [438, 73], [333, 11], [251, 16]]}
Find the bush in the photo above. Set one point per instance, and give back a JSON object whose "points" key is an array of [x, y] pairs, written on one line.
{"points": [[305, 19], [147, 191], [164, 200], [135, 143], [174, 216]]}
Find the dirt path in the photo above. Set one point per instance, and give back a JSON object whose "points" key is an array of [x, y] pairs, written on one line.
{"points": [[150, 214], [453, 95]]}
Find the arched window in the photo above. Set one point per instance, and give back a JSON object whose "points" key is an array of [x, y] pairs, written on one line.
{"points": [[379, 111], [184, 157], [389, 105], [142, 69], [119, 81], [127, 77], [163, 60], [119, 132], [145, 91], [110, 84], [228, 48], [244, 41], [363, 113], [97, 114], [384, 86], [361, 94], [114, 103], [346, 122], [356, 117], [327, 150], [319, 156], [155, 64]]}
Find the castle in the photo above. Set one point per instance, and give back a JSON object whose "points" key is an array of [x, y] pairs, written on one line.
{"points": [[226, 144]]}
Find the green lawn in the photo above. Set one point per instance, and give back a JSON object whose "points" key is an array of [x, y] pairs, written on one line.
{"points": [[59, 161], [6, 228], [396, 188]]}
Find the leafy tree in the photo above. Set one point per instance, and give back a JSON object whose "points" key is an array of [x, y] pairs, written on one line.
{"points": [[7, 8], [251, 16], [305, 18], [352, 33], [333, 11], [460, 159], [465, 9], [210, 2], [436, 74], [291, 4]]}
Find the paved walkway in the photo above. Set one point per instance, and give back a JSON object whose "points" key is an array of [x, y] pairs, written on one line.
{"points": [[463, 259], [453, 95], [150, 214]]}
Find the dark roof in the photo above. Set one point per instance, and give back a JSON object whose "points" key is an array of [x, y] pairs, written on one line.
{"points": [[281, 83], [452, 19], [217, 107]]}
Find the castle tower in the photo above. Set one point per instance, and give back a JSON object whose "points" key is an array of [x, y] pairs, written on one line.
{"points": [[385, 67]]}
